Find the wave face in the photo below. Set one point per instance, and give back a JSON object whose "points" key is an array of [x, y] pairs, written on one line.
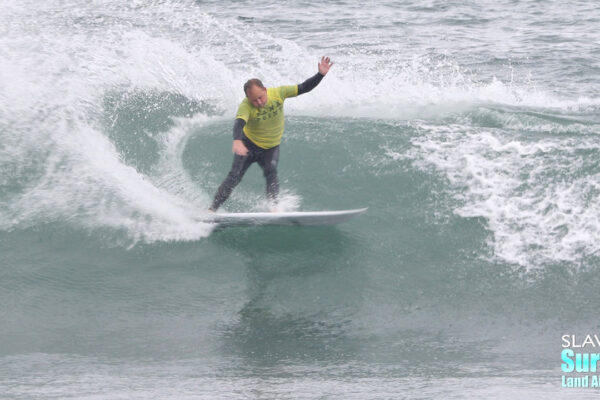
{"points": [[469, 130]]}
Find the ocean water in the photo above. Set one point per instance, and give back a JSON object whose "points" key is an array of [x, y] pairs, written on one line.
{"points": [[470, 129]]}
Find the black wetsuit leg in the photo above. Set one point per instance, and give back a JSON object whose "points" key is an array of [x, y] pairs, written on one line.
{"points": [[266, 158], [238, 169]]}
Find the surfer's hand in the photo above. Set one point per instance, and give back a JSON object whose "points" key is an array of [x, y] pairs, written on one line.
{"points": [[324, 65], [239, 148]]}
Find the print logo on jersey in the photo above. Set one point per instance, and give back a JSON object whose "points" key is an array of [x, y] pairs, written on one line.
{"points": [[271, 111]]}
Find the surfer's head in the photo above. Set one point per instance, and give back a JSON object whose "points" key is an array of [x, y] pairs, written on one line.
{"points": [[256, 92]]}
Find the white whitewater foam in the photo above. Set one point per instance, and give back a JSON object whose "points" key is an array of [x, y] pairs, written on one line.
{"points": [[54, 80], [536, 196]]}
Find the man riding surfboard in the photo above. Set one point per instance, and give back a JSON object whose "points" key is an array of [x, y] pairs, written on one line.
{"points": [[257, 132]]}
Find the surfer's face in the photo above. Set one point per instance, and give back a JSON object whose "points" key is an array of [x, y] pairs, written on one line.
{"points": [[257, 96]]}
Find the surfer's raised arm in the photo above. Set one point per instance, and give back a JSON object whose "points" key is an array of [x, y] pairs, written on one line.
{"points": [[314, 80]]}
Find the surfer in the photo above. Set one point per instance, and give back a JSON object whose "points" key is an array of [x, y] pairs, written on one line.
{"points": [[257, 132]]}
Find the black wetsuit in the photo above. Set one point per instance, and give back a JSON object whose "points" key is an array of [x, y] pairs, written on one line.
{"points": [[266, 158]]}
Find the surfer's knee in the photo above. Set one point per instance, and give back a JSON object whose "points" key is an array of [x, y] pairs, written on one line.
{"points": [[270, 170], [235, 176]]}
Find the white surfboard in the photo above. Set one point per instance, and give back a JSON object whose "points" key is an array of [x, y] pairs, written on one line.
{"points": [[301, 218]]}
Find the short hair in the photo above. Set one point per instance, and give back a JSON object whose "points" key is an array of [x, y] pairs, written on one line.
{"points": [[252, 82]]}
